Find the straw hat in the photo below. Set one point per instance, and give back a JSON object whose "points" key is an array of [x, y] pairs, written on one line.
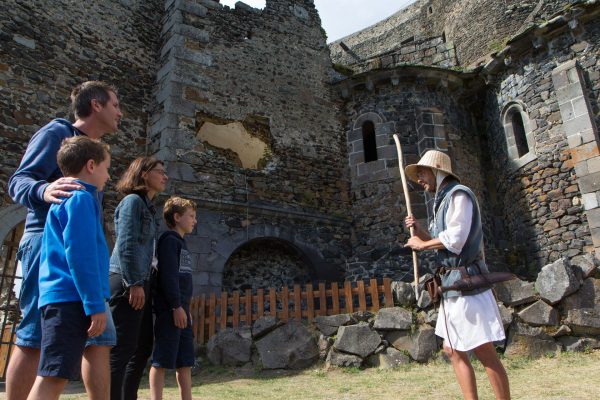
{"points": [[436, 160]]}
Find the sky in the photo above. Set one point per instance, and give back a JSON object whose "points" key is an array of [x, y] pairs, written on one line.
{"points": [[343, 17]]}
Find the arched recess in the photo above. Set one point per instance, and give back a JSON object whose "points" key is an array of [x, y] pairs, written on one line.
{"points": [[267, 262], [365, 138], [520, 141], [12, 218], [368, 116], [227, 245]]}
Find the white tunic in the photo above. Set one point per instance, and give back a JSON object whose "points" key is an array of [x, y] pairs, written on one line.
{"points": [[466, 322]]}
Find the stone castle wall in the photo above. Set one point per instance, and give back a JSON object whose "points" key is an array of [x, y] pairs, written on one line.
{"points": [[476, 27], [261, 75], [48, 50], [543, 203], [431, 51]]}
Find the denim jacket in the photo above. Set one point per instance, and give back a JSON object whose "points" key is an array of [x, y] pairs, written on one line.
{"points": [[136, 227]]}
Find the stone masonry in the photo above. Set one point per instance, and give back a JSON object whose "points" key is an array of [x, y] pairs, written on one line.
{"points": [[263, 69], [261, 124]]}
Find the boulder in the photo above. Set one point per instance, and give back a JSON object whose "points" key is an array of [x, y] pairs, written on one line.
{"points": [[339, 359], [538, 314], [579, 344], [357, 339], [526, 341], [424, 344], [556, 281], [506, 314], [400, 340], [329, 325], [584, 321], [562, 331], [230, 347], [389, 358], [404, 293], [324, 344], [363, 316], [424, 299], [393, 318], [290, 346], [588, 296], [264, 325], [585, 265], [515, 292], [431, 317]]}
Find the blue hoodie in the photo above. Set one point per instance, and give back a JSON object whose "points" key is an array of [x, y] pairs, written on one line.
{"points": [[74, 259], [37, 169]]}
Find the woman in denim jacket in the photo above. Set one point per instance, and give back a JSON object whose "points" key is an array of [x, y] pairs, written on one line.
{"points": [[136, 227]]}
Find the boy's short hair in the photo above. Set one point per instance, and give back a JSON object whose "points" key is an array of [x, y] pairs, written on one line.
{"points": [[176, 205], [83, 94], [76, 151]]}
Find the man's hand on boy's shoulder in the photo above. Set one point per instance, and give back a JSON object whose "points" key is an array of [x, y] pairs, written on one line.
{"points": [[60, 188], [180, 317], [98, 324]]}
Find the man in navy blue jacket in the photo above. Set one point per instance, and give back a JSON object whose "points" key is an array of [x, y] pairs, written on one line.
{"points": [[36, 184]]}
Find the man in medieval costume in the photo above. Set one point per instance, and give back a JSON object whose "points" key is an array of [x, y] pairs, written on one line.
{"points": [[468, 320]]}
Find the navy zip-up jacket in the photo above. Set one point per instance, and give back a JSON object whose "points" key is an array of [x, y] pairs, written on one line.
{"points": [[37, 170], [74, 259], [174, 283]]}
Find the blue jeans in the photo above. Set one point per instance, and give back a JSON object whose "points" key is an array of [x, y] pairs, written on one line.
{"points": [[29, 331]]}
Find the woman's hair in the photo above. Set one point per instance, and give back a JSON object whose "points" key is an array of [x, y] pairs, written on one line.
{"points": [[132, 181]]}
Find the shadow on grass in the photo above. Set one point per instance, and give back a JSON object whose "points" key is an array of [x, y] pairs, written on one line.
{"points": [[211, 375]]}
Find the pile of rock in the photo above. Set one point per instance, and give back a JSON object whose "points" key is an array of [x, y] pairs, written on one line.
{"points": [[559, 311], [391, 338]]}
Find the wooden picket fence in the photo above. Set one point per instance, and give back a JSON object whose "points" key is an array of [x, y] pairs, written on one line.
{"points": [[213, 313]]}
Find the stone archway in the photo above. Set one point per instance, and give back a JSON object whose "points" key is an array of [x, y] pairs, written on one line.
{"points": [[11, 230], [266, 262]]}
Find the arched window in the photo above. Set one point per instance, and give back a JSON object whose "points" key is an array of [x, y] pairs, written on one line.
{"points": [[369, 142], [518, 128]]}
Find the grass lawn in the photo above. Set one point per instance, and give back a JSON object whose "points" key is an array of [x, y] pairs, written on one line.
{"points": [[572, 376]]}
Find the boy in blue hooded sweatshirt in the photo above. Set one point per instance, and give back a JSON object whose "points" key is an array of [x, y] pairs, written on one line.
{"points": [[73, 276], [173, 337]]}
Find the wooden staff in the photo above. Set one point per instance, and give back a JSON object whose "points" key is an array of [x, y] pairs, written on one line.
{"points": [[409, 212]]}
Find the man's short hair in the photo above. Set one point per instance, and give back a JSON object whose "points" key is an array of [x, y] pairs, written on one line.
{"points": [[83, 94], [176, 205], [76, 151]]}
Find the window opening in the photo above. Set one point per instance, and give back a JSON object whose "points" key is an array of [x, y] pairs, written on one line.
{"points": [[519, 132], [369, 142]]}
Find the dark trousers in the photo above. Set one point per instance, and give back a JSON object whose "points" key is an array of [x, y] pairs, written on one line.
{"points": [[134, 341]]}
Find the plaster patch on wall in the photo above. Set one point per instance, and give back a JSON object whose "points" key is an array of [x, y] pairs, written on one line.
{"points": [[233, 136]]}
